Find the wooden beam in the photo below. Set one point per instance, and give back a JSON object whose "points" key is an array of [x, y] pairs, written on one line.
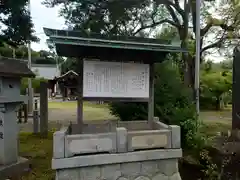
{"points": [[113, 99], [151, 95], [43, 109], [80, 96]]}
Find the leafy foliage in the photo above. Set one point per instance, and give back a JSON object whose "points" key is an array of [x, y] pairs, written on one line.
{"points": [[215, 84], [69, 64], [35, 84], [108, 17], [143, 18], [21, 52], [17, 26]]}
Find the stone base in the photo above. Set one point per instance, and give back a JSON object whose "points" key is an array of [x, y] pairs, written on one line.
{"points": [[159, 170], [14, 170], [141, 165], [234, 134]]}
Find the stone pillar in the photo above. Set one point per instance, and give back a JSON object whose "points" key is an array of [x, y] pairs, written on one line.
{"points": [[30, 99]]}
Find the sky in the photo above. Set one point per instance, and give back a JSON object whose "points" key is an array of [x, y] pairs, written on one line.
{"points": [[44, 17]]}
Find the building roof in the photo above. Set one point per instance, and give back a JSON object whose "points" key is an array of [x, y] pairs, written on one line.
{"points": [[14, 67], [77, 44], [46, 71], [68, 74]]}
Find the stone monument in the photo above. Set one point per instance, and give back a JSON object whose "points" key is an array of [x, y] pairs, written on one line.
{"points": [[115, 69], [11, 71]]}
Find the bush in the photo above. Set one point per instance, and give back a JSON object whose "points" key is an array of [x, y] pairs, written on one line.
{"points": [[35, 84], [129, 111], [173, 104]]}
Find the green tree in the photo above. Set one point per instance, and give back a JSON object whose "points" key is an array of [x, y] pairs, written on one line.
{"points": [[45, 57], [207, 66], [6, 51], [21, 52], [213, 87], [227, 65], [143, 17], [69, 64], [35, 84], [17, 26]]}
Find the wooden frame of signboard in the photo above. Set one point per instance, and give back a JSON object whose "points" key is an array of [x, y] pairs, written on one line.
{"points": [[81, 98]]}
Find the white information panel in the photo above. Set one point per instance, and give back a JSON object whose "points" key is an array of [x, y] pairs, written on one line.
{"points": [[115, 79]]}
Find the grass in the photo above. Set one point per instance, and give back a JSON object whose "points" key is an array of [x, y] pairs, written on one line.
{"points": [[216, 116], [73, 105], [210, 129], [39, 150], [216, 121], [62, 105], [61, 113], [91, 111]]}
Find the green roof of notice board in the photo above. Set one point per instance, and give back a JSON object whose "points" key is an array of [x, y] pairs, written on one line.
{"points": [[77, 44]]}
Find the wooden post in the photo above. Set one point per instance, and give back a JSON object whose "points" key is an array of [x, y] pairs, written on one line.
{"points": [[35, 104], [35, 117], [80, 96], [43, 109], [30, 106], [151, 95], [64, 93], [25, 112], [20, 114]]}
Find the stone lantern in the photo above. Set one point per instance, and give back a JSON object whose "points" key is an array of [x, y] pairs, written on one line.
{"points": [[11, 72]]}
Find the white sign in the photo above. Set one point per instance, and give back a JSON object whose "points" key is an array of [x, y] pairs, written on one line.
{"points": [[115, 79]]}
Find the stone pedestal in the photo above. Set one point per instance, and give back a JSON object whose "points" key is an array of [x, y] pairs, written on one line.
{"points": [[142, 165], [14, 170], [8, 134], [134, 150], [11, 165]]}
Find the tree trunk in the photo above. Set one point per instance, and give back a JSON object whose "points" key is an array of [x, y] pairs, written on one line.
{"points": [[191, 62], [185, 59], [225, 104], [189, 71], [218, 103]]}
